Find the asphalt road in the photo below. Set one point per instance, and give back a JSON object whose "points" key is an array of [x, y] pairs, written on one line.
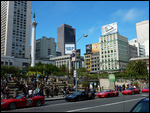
{"points": [[123, 103]]}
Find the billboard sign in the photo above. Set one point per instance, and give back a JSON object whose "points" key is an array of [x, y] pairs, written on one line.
{"points": [[89, 48], [78, 54], [69, 48], [109, 29], [95, 48], [112, 78]]}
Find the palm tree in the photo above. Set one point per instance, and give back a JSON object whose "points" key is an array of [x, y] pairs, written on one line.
{"points": [[137, 68]]}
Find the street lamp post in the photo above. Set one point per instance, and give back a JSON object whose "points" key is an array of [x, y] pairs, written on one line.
{"points": [[76, 57]]}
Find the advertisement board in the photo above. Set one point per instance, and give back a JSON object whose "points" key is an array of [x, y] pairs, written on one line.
{"points": [[78, 54], [95, 48], [109, 29], [112, 78], [69, 48], [89, 48]]}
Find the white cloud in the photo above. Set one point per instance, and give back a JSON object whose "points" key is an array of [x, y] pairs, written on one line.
{"points": [[129, 15]]}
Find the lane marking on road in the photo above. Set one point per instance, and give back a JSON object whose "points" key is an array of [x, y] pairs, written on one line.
{"points": [[102, 105]]}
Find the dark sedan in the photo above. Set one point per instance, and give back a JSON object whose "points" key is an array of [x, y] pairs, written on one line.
{"points": [[141, 106], [80, 95]]}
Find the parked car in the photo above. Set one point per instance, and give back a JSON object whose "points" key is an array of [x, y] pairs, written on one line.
{"points": [[22, 101], [145, 90], [80, 95], [107, 93], [130, 91], [141, 106]]}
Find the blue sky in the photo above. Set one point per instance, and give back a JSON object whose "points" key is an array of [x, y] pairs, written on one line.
{"points": [[87, 17]]}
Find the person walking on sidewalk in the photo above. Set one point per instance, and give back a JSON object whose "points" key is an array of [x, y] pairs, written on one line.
{"points": [[51, 91], [30, 92], [41, 90], [25, 91], [56, 90], [47, 91], [7, 91]]}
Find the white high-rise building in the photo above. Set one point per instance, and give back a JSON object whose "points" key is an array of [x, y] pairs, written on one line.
{"points": [[141, 47], [142, 31], [113, 52], [15, 28]]}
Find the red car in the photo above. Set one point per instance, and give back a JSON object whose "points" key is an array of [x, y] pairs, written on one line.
{"points": [[22, 101], [130, 91], [145, 90], [107, 93]]}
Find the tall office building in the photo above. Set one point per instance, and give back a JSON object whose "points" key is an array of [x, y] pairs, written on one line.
{"points": [[142, 32], [65, 39], [140, 48], [15, 28], [91, 58], [45, 47], [113, 52]]}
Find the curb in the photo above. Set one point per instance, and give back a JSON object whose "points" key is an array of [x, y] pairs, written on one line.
{"points": [[54, 99]]}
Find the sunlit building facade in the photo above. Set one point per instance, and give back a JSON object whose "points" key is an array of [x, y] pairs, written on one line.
{"points": [[114, 54]]}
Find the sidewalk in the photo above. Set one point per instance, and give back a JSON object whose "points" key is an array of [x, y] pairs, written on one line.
{"points": [[59, 97]]}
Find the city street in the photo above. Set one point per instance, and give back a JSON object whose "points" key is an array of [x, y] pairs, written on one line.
{"points": [[123, 103]]}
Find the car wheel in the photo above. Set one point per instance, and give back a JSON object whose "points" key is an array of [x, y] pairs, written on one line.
{"points": [[12, 106], [38, 103], [108, 95], [79, 98], [117, 94], [93, 97], [132, 93]]}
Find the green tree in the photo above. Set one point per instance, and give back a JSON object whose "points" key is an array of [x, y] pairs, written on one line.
{"points": [[63, 70], [39, 67], [4, 70], [136, 68], [81, 71]]}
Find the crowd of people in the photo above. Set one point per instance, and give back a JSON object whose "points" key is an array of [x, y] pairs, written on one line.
{"points": [[37, 88], [5, 90], [121, 88]]}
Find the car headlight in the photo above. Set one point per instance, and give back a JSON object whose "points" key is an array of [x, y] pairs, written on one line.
{"points": [[3, 102]]}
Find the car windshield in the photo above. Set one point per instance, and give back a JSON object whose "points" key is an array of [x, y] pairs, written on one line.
{"points": [[142, 107], [105, 91], [146, 88], [77, 93], [20, 96], [129, 89]]}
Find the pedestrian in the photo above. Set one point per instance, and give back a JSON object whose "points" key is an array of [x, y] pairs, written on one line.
{"points": [[117, 87], [21, 86], [30, 92], [120, 88], [7, 91], [87, 88], [127, 86], [2, 96], [56, 90], [67, 91], [34, 91], [37, 91], [25, 91], [47, 91], [41, 90], [51, 91]]}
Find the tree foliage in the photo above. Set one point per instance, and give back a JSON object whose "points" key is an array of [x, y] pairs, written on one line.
{"points": [[10, 70], [135, 68]]}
